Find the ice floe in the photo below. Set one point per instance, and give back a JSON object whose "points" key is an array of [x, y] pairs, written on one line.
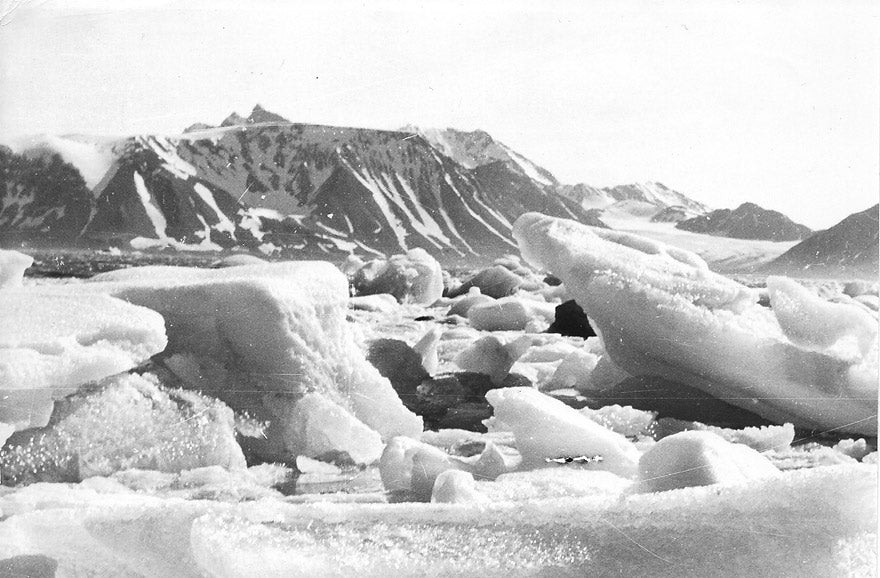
{"points": [[54, 341], [661, 312]]}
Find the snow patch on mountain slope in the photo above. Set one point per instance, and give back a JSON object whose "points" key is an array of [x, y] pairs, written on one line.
{"points": [[223, 222], [527, 166], [168, 153], [476, 216], [155, 215], [371, 185]]}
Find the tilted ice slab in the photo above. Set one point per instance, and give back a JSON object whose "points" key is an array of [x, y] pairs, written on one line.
{"points": [[660, 311], [260, 337], [52, 342], [796, 524]]}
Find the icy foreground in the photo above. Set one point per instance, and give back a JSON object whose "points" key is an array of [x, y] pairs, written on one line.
{"points": [[661, 312], [799, 524]]}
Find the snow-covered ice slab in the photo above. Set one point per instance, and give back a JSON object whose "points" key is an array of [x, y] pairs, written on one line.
{"points": [[660, 311], [799, 524], [51, 342], [260, 337]]}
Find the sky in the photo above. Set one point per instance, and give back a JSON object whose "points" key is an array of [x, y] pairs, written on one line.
{"points": [[772, 102]]}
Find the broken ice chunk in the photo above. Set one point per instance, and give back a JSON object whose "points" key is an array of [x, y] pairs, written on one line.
{"points": [[491, 357], [12, 267], [277, 329], [314, 426], [511, 314], [547, 428], [408, 465], [455, 487], [699, 458], [52, 342], [412, 278], [661, 312]]}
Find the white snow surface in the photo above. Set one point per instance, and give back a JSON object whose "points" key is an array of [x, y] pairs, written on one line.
{"points": [[796, 524], [55, 340], [661, 312]]}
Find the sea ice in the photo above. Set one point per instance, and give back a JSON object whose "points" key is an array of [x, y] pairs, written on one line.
{"points": [[495, 282], [799, 523], [53, 341], [814, 323], [455, 487], [261, 336], [661, 312], [547, 429], [699, 458], [491, 357], [415, 277], [463, 304], [124, 422], [511, 314], [12, 268]]}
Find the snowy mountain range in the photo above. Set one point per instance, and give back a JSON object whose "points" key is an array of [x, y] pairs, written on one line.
{"points": [[263, 183]]}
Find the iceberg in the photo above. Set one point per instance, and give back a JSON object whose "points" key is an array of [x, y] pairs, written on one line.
{"points": [[661, 312]]}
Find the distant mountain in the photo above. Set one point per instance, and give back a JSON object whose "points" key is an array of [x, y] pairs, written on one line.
{"points": [[748, 221], [849, 247], [267, 184], [639, 200]]}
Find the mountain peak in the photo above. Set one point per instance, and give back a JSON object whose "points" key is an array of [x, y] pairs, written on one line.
{"points": [[234, 119], [260, 114]]}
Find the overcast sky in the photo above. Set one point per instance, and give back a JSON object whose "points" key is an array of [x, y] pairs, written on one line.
{"points": [[776, 103]]}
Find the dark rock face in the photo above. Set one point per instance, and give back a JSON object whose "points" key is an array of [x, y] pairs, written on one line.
{"points": [[748, 221], [851, 246], [570, 320], [495, 282], [42, 199]]}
